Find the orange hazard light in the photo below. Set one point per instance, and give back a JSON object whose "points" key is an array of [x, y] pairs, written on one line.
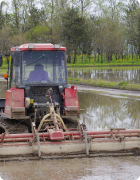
{"points": [[5, 75]]}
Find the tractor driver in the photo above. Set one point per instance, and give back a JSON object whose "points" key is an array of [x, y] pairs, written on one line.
{"points": [[38, 74]]}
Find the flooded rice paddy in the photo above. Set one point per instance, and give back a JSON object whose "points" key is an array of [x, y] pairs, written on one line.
{"points": [[113, 74], [104, 111], [101, 109]]}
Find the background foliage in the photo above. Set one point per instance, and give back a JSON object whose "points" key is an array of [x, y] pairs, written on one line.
{"points": [[103, 30]]}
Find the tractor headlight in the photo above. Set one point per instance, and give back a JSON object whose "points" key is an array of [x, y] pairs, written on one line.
{"points": [[61, 88]]}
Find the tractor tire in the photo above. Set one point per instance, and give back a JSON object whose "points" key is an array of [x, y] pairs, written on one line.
{"points": [[12, 126]]}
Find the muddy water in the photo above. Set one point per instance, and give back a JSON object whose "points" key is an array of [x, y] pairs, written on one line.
{"points": [[118, 74], [105, 111], [102, 110]]}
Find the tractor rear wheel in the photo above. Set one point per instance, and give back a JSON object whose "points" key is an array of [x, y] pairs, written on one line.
{"points": [[12, 126]]}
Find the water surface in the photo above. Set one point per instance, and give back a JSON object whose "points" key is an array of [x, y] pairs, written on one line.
{"points": [[105, 111], [113, 74]]}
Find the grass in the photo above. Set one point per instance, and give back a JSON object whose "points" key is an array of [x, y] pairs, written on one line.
{"points": [[105, 84], [120, 62], [3, 71], [104, 64], [123, 83]]}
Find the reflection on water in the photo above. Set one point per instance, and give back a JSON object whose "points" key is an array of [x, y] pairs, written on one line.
{"points": [[109, 168], [105, 112], [107, 74]]}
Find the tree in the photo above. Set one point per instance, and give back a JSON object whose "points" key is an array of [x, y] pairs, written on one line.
{"points": [[17, 40], [2, 17], [16, 16], [133, 27], [73, 31], [39, 34], [5, 44], [87, 45], [35, 18]]}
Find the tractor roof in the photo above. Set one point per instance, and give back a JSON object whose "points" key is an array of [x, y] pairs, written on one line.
{"points": [[37, 47]]}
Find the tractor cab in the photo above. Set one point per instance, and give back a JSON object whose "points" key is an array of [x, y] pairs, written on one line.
{"points": [[38, 65], [38, 81]]}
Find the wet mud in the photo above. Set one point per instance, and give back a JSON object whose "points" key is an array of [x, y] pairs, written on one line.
{"points": [[105, 168]]}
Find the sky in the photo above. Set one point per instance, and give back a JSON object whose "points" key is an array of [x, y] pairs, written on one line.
{"points": [[9, 4]]}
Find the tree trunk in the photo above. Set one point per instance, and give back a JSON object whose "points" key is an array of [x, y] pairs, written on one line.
{"points": [[82, 7], [74, 57], [89, 57], [104, 57], [1, 14], [122, 55], [101, 57], [82, 55], [116, 56], [95, 57], [52, 6], [69, 56], [137, 56], [0, 6], [108, 57]]}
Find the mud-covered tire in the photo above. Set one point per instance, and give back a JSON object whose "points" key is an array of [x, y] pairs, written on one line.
{"points": [[72, 123], [12, 126]]}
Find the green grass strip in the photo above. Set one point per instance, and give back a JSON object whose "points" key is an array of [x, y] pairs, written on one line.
{"points": [[112, 64], [105, 84]]}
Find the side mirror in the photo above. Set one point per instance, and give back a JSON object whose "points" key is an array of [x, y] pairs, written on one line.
{"points": [[0, 60]]}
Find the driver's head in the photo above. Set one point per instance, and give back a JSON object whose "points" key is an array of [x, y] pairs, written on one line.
{"points": [[38, 66]]}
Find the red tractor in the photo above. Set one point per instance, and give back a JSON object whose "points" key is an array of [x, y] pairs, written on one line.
{"points": [[38, 88]]}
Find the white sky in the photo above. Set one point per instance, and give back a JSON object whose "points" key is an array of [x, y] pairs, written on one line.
{"points": [[9, 3]]}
